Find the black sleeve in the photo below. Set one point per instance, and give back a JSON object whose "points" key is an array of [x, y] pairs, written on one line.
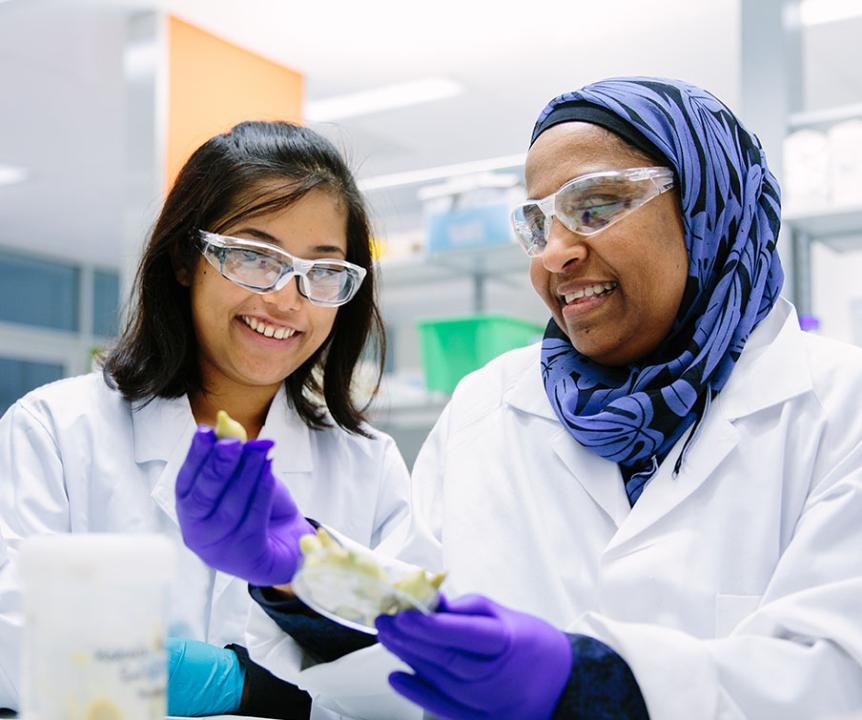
{"points": [[601, 685], [322, 638], [266, 696]]}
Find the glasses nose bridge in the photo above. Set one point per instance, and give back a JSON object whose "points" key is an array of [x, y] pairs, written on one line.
{"points": [[293, 268], [548, 207]]}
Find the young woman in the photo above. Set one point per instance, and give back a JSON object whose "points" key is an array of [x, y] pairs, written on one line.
{"points": [[256, 296], [657, 511]]}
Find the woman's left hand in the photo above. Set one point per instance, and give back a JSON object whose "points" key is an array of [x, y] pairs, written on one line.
{"points": [[477, 659], [234, 514]]}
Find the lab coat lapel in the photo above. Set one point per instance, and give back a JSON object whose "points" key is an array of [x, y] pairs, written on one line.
{"points": [[163, 431], [292, 451], [771, 370], [600, 478], [664, 492]]}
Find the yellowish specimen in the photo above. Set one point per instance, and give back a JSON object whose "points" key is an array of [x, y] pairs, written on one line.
{"points": [[103, 709], [421, 587], [321, 550], [227, 427]]}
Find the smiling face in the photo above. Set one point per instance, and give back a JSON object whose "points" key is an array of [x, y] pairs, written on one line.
{"points": [[615, 294], [248, 340]]}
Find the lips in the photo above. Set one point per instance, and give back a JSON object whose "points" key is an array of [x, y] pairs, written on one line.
{"points": [[588, 290], [267, 329]]}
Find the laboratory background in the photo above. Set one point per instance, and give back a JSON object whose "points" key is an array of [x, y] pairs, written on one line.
{"points": [[102, 102]]}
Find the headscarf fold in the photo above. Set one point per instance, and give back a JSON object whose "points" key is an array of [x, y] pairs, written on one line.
{"points": [[731, 206]]}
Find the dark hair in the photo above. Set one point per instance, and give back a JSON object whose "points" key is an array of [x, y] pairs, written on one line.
{"points": [[256, 167]]}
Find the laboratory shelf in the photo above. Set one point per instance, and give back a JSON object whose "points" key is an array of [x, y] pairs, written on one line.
{"points": [[841, 228], [826, 117], [487, 262], [414, 413]]}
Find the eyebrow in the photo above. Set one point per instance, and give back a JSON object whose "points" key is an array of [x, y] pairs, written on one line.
{"points": [[266, 237]]}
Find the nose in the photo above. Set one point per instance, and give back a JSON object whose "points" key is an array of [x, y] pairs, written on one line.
{"points": [[563, 248], [287, 299]]}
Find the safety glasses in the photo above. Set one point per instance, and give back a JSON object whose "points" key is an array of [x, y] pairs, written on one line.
{"points": [[588, 204], [264, 268]]}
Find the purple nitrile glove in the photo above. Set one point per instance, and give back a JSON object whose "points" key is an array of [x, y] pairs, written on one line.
{"points": [[234, 514], [476, 659]]}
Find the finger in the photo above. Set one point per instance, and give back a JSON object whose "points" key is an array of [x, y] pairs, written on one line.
{"points": [[418, 690], [478, 634], [440, 664], [234, 505], [202, 443], [470, 605], [263, 445], [218, 468], [205, 495]]}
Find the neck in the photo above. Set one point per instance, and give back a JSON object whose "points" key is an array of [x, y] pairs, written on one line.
{"points": [[247, 406]]}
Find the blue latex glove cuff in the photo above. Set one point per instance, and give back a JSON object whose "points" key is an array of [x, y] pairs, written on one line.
{"points": [[203, 679]]}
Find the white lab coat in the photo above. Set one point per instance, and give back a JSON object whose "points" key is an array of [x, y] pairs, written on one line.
{"points": [[733, 590], [75, 457]]}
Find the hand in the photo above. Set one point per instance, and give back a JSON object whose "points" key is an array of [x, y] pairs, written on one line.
{"points": [[476, 659], [203, 679], [234, 514]]}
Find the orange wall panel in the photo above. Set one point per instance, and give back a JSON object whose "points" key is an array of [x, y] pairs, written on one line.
{"points": [[214, 84]]}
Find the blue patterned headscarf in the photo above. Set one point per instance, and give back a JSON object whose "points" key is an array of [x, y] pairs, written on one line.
{"points": [[730, 206]]}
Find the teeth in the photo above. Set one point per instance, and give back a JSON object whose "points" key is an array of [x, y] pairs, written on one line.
{"points": [[589, 291], [270, 331]]}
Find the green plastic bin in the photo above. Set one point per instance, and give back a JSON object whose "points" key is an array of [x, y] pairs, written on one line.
{"points": [[454, 347]]}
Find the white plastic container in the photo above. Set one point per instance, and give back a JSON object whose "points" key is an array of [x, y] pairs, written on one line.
{"points": [[845, 163], [805, 184], [95, 608]]}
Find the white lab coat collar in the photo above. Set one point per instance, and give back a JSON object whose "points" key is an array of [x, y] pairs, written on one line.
{"points": [[753, 386], [163, 431]]}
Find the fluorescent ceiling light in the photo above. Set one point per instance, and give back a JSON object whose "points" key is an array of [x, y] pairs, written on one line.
{"points": [[383, 98], [413, 177], [10, 175], [818, 12]]}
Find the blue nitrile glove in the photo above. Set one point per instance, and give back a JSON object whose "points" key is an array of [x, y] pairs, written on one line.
{"points": [[476, 659], [203, 679], [234, 514]]}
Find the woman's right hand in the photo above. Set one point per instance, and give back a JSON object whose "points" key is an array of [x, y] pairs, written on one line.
{"points": [[234, 514]]}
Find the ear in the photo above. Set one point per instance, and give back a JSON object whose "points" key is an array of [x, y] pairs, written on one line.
{"points": [[183, 276], [181, 270]]}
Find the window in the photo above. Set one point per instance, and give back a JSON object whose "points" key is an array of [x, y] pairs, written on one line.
{"points": [[106, 302], [18, 377], [39, 292]]}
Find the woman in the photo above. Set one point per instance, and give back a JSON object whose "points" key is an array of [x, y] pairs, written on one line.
{"points": [[655, 513], [255, 295]]}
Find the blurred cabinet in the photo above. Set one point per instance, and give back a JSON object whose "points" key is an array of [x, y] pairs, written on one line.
{"points": [[452, 283], [835, 224]]}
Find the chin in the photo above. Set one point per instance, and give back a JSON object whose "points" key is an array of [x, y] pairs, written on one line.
{"points": [[600, 353]]}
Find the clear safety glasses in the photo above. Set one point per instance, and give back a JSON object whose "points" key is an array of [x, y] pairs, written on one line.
{"points": [[264, 268], [588, 204]]}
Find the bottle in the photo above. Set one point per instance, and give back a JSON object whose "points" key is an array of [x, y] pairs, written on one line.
{"points": [[94, 626]]}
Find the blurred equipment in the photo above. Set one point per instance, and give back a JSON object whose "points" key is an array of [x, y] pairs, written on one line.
{"points": [[454, 347], [94, 634]]}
